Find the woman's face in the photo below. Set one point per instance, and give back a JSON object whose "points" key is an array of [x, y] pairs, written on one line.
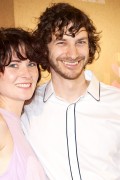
{"points": [[19, 79]]}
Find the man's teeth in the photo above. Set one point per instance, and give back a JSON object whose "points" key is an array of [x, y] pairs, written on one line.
{"points": [[70, 63], [23, 85]]}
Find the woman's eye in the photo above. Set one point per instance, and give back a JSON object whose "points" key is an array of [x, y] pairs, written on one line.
{"points": [[32, 64], [13, 65]]}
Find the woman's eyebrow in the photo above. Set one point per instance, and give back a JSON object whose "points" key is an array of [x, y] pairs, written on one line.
{"points": [[15, 60]]}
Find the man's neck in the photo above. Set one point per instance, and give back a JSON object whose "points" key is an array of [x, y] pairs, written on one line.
{"points": [[70, 90]]}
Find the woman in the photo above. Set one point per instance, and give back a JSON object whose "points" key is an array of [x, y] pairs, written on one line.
{"points": [[19, 74]]}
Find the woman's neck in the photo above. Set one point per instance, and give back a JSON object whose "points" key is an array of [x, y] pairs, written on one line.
{"points": [[12, 106]]}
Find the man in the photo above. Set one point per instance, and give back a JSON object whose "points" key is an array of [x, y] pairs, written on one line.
{"points": [[73, 122]]}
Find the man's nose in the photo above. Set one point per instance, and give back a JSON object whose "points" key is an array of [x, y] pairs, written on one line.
{"points": [[72, 51]]}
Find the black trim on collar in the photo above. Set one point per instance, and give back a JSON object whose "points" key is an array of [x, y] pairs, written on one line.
{"points": [[99, 94]]}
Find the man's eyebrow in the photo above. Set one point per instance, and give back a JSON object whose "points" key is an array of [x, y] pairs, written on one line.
{"points": [[59, 39], [83, 38], [82, 30]]}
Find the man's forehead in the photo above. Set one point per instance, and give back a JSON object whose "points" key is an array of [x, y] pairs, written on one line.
{"points": [[79, 31], [57, 34]]}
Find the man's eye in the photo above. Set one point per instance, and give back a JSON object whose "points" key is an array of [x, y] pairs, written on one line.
{"points": [[60, 42], [82, 42], [32, 64]]}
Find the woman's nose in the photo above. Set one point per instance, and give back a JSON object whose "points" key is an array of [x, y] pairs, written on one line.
{"points": [[25, 72]]}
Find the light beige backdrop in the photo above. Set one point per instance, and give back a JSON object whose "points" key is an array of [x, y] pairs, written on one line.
{"points": [[106, 17]]}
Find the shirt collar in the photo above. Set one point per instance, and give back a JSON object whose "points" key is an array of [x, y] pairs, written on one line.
{"points": [[48, 91], [93, 88]]}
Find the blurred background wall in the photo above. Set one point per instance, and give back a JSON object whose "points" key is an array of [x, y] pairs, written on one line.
{"points": [[7, 13], [105, 15]]}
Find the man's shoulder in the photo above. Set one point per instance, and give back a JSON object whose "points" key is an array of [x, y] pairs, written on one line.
{"points": [[111, 91], [40, 90], [110, 87]]}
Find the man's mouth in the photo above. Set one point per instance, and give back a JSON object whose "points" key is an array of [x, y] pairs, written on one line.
{"points": [[71, 63]]}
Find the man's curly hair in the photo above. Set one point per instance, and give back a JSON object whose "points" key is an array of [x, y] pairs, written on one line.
{"points": [[55, 20]]}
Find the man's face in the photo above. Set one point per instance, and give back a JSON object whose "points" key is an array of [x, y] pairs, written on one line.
{"points": [[68, 56]]}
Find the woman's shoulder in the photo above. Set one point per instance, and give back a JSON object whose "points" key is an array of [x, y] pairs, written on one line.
{"points": [[3, 131]]}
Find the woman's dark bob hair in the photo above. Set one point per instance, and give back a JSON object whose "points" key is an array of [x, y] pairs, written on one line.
{"points": [[11, 39]]}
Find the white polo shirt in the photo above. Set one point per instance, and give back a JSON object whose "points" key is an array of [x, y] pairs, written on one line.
{"points": [[79, 140]]}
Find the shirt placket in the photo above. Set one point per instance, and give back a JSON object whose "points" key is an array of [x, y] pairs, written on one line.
{"points": [[72, 142]]}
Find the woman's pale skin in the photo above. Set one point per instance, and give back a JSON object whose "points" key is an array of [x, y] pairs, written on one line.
{"points": [[17, 84]]}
